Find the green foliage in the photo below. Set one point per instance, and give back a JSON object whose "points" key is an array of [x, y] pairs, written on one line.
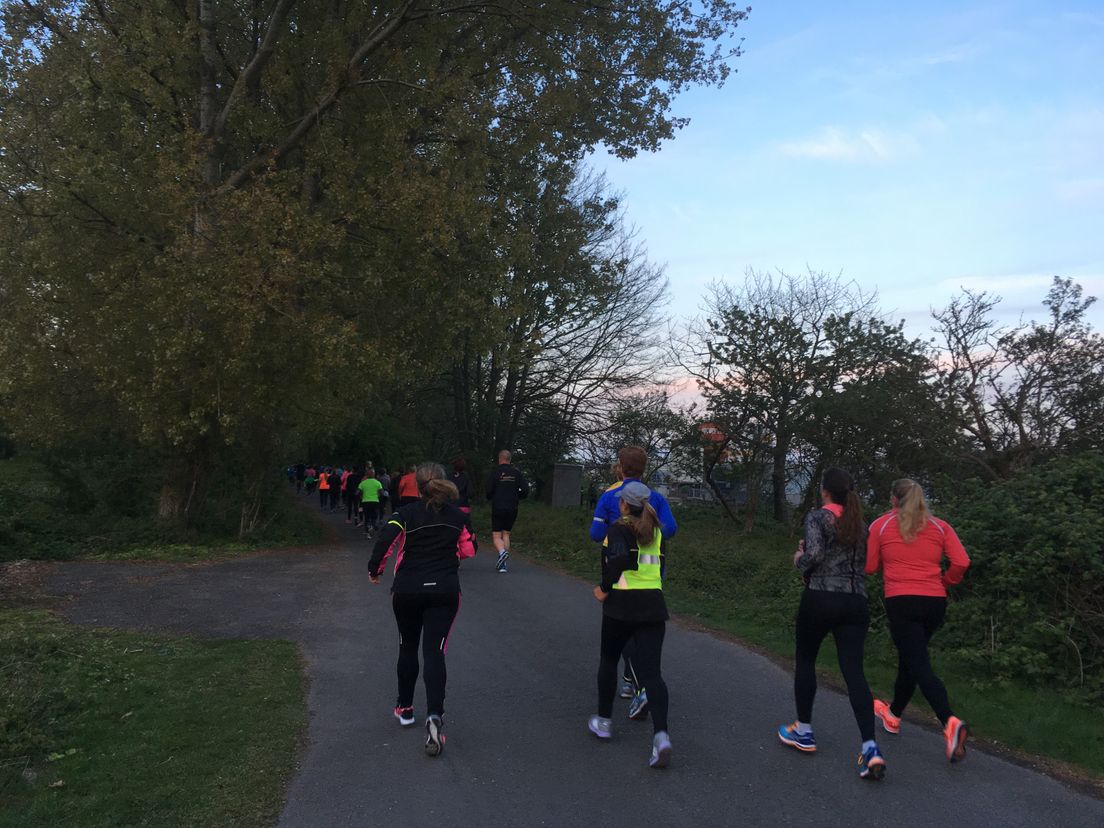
{"points": [[1034, 607], [112, 728], [104, 510], [227, 223]]}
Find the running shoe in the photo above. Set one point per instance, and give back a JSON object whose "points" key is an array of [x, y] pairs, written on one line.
{"points": [[435, 735], [891, 723], [503, 556], [871, 764], [405, 715], [628, 689], [661, 750], [602, 728], [955, 734], [638, 707], [804, 742]]}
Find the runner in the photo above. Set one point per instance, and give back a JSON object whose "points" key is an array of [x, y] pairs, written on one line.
{"points": [[831, 559], [351, 495], [370, 501], [300, 476], [335, 488], [505, 487], [408, 487], [323, 488], [385, 491], [633, 608], [463, 484], [630, 466], [429, 537], [908, 545], [393, 489]]}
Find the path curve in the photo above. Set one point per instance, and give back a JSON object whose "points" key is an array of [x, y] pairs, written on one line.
{"points": [[521, 684]]}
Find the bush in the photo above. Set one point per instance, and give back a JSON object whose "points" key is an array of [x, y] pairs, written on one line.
{"points": [[1033, 602]]}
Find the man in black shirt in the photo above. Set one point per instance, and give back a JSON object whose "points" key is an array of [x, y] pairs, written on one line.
{"points": [[505, 487]]}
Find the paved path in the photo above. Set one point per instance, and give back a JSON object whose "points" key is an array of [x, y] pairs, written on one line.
{"points": [[521, 684]]}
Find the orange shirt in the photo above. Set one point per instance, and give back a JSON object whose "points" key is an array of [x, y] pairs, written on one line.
{"points": [[408, 485], [915, 568]]}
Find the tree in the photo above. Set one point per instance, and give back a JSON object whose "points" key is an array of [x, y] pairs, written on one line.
{"points": [[763, 355], [217, 212], [1024, 393], [574, 320]]}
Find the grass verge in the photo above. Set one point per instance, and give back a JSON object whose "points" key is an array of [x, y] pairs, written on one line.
{"points": [[105, 728], [745, 585]]}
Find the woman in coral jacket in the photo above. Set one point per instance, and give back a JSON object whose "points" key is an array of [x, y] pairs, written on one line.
{"points": [[908, 545]]}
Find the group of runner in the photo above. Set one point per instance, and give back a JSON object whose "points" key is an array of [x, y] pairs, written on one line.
{"points": [[430, 533]]}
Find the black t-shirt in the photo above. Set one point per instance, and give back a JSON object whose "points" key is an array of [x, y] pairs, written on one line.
{"points": [[505, 487]]}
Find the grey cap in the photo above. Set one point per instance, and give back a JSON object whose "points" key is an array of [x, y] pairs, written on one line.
{"points": [[636, 494]]}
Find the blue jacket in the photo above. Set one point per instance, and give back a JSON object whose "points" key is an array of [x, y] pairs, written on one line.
{"points": [[608, 511]]}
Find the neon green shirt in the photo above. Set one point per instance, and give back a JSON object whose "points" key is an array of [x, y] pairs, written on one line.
{"points": [[369, 490]]}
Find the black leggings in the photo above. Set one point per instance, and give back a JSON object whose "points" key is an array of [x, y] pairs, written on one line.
{"points": [[371, 515], [427, 616], [846, 616], [913, 620], [648, 638]]}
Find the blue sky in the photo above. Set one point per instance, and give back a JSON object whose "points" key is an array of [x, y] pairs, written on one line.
{"points": [[916, 147]]}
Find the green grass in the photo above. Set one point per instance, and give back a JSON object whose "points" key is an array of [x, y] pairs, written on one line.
{"points": [[745, 585], [102, 728], [44, 516]]}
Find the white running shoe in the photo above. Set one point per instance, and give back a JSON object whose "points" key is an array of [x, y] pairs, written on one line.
{"points": [[602, 728], [661, 750]]}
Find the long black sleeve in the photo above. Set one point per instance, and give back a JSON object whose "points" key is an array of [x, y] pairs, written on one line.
{"points": [[387, 536]]}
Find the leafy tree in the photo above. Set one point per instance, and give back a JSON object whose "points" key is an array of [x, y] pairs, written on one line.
{"points": [[218, 212], [764, 354], [1024, 393]]}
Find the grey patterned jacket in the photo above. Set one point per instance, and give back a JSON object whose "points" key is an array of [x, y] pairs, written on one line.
{"points": [[826, 563]]}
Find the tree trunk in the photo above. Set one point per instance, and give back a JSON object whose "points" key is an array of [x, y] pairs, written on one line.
{"points": [[778, 476]]}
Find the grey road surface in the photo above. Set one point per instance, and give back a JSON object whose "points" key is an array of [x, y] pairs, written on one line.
{"points": [[522, 662]]}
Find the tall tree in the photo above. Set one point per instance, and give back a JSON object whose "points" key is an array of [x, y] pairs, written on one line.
{"points": [[217, 212]]}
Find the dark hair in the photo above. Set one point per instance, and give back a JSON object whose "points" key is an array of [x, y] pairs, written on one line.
{"points": [[459, 464], [841, 487], [633, 460]]}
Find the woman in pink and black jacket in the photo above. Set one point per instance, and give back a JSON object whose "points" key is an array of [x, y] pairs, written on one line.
{"points": [[429, 538]]}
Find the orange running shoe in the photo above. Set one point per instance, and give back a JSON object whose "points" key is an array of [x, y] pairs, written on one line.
{"points": [[891, 723], [955, 733]]}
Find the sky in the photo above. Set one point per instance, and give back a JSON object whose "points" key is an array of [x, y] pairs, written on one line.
{"points": [[915, 148]]}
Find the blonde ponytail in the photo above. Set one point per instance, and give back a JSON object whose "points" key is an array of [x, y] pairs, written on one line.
{"points": [[435, 490], [912, 508], [642, 524]]}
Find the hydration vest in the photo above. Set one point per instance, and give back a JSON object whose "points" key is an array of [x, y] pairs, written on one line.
{"points": [[648, 572]]}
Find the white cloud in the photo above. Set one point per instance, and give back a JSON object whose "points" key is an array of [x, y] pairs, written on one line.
{"points": [[864, 145]]}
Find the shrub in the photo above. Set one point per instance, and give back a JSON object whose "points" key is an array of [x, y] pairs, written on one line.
{"points": [[1034, 599]]}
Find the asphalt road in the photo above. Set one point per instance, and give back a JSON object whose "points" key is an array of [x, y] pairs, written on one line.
{"points": [[522, 661]]}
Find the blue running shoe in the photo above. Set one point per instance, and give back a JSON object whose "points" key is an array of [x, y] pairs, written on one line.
{"points": [[871, 764], [804, 742], [638, 707]]}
